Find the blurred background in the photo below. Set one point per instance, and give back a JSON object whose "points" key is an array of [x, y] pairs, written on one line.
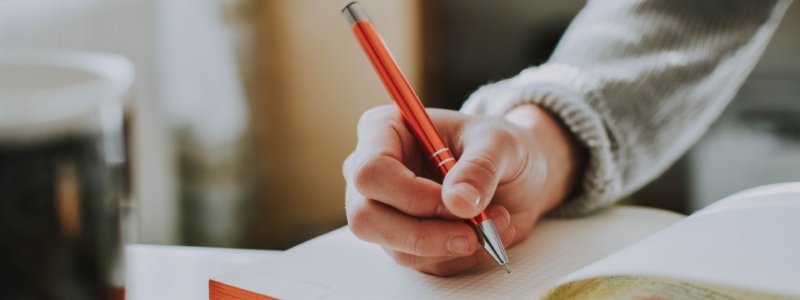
{"points": [[243, 110]]}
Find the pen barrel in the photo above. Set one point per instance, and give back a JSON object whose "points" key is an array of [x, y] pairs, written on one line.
{"points": [[403, 94], [407, 100], [400, 90]]}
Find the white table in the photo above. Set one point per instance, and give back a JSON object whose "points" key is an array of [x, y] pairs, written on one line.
{"points": [[178, 272]]}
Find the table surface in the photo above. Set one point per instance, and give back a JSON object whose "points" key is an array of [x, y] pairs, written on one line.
{"points": [[178, 272]]}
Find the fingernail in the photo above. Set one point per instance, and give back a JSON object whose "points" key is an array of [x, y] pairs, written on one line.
{"points": [[458, 245], [468, 194], [439, 210], [508, 235], [499, 219]]}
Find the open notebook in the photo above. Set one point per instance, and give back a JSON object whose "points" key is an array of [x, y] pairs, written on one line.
{"points": [[743, 247]]}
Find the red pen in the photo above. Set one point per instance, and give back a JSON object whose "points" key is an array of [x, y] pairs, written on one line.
{"points": [[416, 118]]}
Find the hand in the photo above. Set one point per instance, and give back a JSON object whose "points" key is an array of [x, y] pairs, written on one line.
{"points": [[516, 168]]}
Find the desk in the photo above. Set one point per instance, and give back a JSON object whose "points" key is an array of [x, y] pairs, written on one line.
{"points": [[179, 272]]}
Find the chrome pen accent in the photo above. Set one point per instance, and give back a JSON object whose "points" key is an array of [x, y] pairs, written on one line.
{"points": [[490, 241], [446, 160], [354, 13], [438, 152]]}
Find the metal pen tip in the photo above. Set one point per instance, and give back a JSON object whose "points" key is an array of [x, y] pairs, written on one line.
{"points": [[507, 269], [488, 235]]}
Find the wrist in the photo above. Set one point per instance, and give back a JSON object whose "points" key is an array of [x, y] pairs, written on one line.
{"points": [[564, 156]]}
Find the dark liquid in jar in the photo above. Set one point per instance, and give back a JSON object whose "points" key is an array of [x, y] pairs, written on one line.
{"points": [[59, 220]]}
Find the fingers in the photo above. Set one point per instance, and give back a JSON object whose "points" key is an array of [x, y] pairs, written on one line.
{"points": [[415, 242], [470, 185], [460, 264], [381, 166], [378, 223], [392, 183], [449, 265]]}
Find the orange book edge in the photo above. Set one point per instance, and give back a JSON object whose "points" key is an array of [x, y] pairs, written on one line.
{"points": [[220, 291]]}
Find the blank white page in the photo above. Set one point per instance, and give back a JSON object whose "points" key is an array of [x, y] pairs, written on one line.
{"points": [[750, 241], [340, 266]]}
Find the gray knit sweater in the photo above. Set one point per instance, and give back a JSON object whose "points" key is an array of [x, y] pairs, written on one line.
{"points": [[638, 82]]}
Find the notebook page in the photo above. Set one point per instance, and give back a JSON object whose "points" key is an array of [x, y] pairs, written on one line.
{"points": [[340, 266], [748, 241]]}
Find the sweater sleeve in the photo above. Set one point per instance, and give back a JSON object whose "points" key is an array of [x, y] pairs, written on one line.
{"points": [[638, 82]]}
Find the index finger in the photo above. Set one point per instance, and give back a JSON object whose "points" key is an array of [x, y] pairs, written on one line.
{"points": [[381, 166], [381, 132]]}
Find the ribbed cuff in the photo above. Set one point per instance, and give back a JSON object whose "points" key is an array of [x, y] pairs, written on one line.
{"points": [[568, 94]]}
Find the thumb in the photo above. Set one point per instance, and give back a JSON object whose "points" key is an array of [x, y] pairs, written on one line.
{"points": [[470, 185]]}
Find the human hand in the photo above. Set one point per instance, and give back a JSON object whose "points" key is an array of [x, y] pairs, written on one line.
{"points": [[515, 168]]}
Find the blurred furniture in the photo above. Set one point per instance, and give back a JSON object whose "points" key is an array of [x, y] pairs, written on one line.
{"points": [[311, 82], [755, 142], [177, 272], [472, 43]]}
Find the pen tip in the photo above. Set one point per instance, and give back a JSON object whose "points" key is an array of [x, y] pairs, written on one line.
{"points": [[507, 269]]}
